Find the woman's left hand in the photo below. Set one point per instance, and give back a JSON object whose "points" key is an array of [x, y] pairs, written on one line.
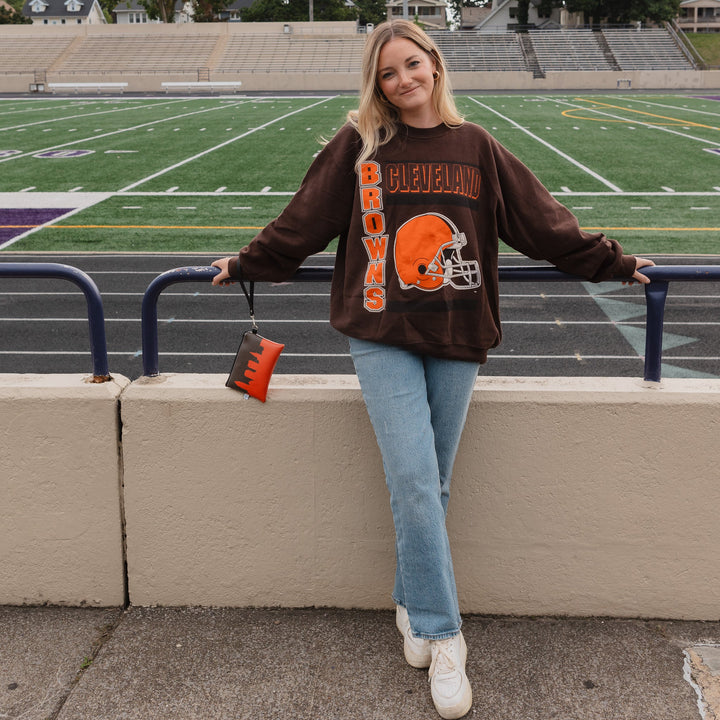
{"points": [[223, 277], [638, 276]]}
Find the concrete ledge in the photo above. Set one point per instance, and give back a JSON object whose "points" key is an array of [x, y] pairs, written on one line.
{"points": [[585, 496], [60, 534]]}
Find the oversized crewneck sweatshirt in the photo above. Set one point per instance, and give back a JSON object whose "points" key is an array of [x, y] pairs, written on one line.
{"points": [[418, 227]]}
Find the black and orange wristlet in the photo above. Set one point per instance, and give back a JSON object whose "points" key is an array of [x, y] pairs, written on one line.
{"points": [[256, 357]]}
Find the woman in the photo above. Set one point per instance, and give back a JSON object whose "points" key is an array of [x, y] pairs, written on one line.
{"points": [[419, 198]]}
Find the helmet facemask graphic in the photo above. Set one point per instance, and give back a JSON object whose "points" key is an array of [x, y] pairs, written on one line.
{"points": [[427, 255]]}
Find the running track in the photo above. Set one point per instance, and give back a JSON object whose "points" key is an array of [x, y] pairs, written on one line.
{"points": [[550, 329]]}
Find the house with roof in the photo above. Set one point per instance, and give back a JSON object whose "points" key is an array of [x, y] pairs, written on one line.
{"points": [[432, 14], [64, 12], [131, 12], [699, 15], [503, 16], [232, 11]]}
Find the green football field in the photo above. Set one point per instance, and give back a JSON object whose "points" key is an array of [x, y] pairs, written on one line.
{"points": [[204, 174]]}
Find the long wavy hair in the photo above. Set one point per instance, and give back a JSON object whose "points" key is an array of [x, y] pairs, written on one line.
{"points": [[376, 119]]}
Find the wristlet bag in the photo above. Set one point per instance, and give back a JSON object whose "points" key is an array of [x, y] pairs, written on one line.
{"points": [[256, 357]]}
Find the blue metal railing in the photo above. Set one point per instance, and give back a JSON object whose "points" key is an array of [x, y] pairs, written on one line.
{"points": [[96, 314], [655, 296]]}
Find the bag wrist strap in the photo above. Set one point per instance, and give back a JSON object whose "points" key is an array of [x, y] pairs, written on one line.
{"points": [[250, 297]]}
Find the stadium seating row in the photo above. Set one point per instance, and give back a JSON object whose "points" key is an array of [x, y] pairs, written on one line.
{"points": [[555, 50]]}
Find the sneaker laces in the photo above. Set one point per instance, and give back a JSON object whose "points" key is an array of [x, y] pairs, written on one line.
{"points": [[444, 660]]}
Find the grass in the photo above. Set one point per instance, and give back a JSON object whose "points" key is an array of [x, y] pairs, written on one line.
{"points": [[198, 174], [708, 45]]}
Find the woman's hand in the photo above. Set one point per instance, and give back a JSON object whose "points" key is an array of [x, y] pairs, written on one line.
{"points": [[638, 276], [223, 277]]}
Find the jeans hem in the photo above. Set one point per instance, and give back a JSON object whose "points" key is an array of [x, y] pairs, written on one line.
{"points": [[431, 636]]}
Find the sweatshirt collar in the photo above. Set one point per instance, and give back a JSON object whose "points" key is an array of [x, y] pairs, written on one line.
{"points": [[422, 133]]}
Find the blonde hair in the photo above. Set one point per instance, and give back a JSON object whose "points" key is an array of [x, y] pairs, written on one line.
{"points": [[376, 120]]}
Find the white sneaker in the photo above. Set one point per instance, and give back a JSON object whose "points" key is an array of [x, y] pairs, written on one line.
{"points": [[449, 685], [417, 650]]}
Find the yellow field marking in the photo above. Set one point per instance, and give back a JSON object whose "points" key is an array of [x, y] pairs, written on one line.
{"points": [[673, 121]]}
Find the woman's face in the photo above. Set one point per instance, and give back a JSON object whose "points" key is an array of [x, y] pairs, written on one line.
{"points": [[405, 76]]}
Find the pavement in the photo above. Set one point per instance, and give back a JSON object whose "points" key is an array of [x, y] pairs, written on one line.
{"points": [[61, 663]]}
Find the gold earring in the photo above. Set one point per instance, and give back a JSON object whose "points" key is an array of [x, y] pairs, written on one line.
{"points": [[436, 74]]}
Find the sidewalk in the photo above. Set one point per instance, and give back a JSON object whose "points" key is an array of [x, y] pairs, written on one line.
{"points": [[262, 664]]}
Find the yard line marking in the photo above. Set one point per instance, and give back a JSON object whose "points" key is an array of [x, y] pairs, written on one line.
{"points": [[152, 227], [221, 145], [117, 132], [101, 112], [563, 155]]}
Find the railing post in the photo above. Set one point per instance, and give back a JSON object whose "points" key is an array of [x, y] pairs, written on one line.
{"points": [[96, 313], [655, 296]]}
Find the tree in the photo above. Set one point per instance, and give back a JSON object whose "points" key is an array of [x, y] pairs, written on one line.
{"points": [[208, 10], [455, 8], [523, 12], [160, 9], [625, 11], [13, 17], [371, 11], [296, 11]]}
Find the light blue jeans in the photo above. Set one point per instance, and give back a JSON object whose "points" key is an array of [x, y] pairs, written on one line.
{"points": [[418, 405]]}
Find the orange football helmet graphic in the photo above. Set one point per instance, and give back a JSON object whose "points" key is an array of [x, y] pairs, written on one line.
{"points": [[427, 255]]}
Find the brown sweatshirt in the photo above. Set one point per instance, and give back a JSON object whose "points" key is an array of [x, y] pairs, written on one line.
{"points": [[418, 231]]}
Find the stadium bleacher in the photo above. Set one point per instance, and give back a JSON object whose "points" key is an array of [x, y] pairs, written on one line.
{"points": [[473, 51], [568, 50], [288, 53], [145, 56], [21, 54], [649, 49], [143, 53]]}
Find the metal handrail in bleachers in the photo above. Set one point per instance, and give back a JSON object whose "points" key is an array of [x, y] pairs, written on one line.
{"points": [[95, 310], [655, 296]]}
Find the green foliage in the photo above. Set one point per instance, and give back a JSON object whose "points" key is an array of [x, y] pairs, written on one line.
{"points": [[160, 9], [523, 12], [371, 11], [625, 11], [208, 10], [296, 11], [13, 17]]}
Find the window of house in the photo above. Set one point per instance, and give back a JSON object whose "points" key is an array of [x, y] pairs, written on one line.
{"points": [[513, 12]]}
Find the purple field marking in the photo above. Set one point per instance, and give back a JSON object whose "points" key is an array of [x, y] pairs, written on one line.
{"points": [[707, 97], [32, 217]]}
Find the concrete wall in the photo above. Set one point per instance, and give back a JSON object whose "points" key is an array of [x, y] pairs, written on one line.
{"points": [[60, 472], [577, 496]]}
